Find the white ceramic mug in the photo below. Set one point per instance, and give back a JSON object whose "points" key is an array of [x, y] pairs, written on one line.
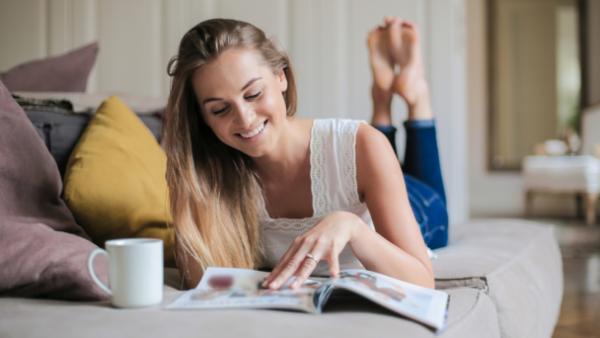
{"points": [[135, 271]]}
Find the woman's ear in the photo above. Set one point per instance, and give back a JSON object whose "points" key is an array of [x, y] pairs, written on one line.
{"points": [[282, 79]]}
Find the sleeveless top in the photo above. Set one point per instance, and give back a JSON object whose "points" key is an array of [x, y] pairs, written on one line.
{"points": [[333, 187]]}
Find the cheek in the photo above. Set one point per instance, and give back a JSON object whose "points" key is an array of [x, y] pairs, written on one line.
{"points": [[275, 103], [222, 133], [219, 128]]}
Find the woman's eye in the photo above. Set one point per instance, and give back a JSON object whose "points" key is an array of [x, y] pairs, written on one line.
{"points": [[219, 111], [253, 96]]}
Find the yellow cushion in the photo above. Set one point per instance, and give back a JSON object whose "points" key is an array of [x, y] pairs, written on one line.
{"points": [[115, 180]]}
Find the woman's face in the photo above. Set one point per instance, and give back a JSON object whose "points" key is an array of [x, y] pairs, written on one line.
{"points": [[241, 100]]}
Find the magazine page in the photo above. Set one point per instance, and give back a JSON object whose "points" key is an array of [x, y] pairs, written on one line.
{"points": [[241, 288], [421, 304]]}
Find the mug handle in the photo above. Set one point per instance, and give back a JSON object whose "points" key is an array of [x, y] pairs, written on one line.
{"points": [[90, 264]]}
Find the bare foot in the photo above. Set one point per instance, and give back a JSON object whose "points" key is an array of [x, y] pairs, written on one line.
{"points": [[380, 59], [382, 68], [409, 82]]}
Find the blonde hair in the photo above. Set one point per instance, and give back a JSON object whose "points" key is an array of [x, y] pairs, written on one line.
{"points": [[215, 193]]}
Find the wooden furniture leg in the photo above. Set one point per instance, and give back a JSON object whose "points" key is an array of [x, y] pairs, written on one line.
{"points": [[579, 198], [528, 203], [590, 208]]}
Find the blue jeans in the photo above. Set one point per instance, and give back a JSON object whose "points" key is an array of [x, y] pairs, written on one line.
{"points": [[423, 177]]}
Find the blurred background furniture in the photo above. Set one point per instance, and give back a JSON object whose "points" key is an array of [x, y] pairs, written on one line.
{"points": [[579, 174]]}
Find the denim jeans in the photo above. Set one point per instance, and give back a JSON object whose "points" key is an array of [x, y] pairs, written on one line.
{"points": [[423, 177]]}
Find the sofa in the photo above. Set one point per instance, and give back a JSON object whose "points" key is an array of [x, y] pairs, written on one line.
{"points": [[504, 278]]}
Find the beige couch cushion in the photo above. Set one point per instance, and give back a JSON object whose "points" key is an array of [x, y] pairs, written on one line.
{"points": [[471, 314], [516, 262]]}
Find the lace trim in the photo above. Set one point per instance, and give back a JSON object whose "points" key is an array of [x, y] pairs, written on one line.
{"points": [[319, 185], [290, 224], [318, 196], [346, 131], [297, 224], [348, 160]]}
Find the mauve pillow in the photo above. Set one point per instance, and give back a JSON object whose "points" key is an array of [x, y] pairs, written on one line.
{"points": [[44, 251], [64, 73]]}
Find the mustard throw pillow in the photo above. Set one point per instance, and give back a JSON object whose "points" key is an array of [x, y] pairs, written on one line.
{"points": [[115, 181]]}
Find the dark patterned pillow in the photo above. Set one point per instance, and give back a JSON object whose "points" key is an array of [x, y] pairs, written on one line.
{"points": [[60, 126]]}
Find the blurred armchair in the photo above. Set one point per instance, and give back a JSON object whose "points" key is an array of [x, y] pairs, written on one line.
{"points": [[579, 175]]}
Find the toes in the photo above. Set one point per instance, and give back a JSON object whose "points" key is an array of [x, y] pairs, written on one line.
{"points": [[409, 31], [397, 22], [373, 35], [373, 38], [394, 36], [408, 23], [392, 20]]}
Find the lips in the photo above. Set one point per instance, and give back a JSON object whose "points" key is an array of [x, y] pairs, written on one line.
{"points": [[251, 133]]}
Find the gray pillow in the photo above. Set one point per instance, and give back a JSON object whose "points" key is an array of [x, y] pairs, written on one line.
{"points": [[44, 251], [65, 73], [60, 126]]}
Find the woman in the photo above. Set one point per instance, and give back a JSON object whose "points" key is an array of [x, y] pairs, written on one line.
{"points": [[253, 186]]}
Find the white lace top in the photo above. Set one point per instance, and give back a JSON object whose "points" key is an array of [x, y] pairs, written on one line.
{"points": [[333, 186]]}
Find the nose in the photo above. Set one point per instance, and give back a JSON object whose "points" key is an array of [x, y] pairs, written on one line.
{"points": [[245, 115]]}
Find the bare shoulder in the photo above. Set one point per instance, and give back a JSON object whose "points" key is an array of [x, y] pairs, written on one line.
{"points": [[369, 138], [372, 147], [375, 157]]}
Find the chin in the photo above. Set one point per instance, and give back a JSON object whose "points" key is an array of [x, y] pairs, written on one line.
{"points": [[255, 153], [259, 147]]}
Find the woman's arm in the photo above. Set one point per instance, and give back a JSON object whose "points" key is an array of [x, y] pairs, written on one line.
{"points": [[397, 247]]}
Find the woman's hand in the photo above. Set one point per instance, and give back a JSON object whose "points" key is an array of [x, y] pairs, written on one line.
{"points": [[324, 241]]}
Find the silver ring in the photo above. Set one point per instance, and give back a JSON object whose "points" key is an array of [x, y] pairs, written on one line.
{"points": [[312, 257]]}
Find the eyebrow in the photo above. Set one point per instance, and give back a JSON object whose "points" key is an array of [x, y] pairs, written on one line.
{"points": [[244, 87]]}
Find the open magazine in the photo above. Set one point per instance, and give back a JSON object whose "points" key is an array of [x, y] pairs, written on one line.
{"points": [[222, 288]]}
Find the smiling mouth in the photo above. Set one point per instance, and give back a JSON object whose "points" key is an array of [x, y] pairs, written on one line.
{"points": [[252, 133]]}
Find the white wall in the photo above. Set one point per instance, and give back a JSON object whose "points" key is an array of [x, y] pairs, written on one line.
{"points": [[491, 193], [326, 41]]}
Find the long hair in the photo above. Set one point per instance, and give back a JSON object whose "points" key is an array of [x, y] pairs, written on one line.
{"points": [[215, 193]]}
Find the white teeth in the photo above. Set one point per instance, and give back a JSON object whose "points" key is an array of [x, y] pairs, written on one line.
{"points": [[254, 131]]}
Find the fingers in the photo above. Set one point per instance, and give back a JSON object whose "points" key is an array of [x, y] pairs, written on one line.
{"points": [[300, 265], [325, 251], [275, 272], [334, 264], [290, 263], [285, 259], [304, 270], [309, 264], [324, 241]]}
